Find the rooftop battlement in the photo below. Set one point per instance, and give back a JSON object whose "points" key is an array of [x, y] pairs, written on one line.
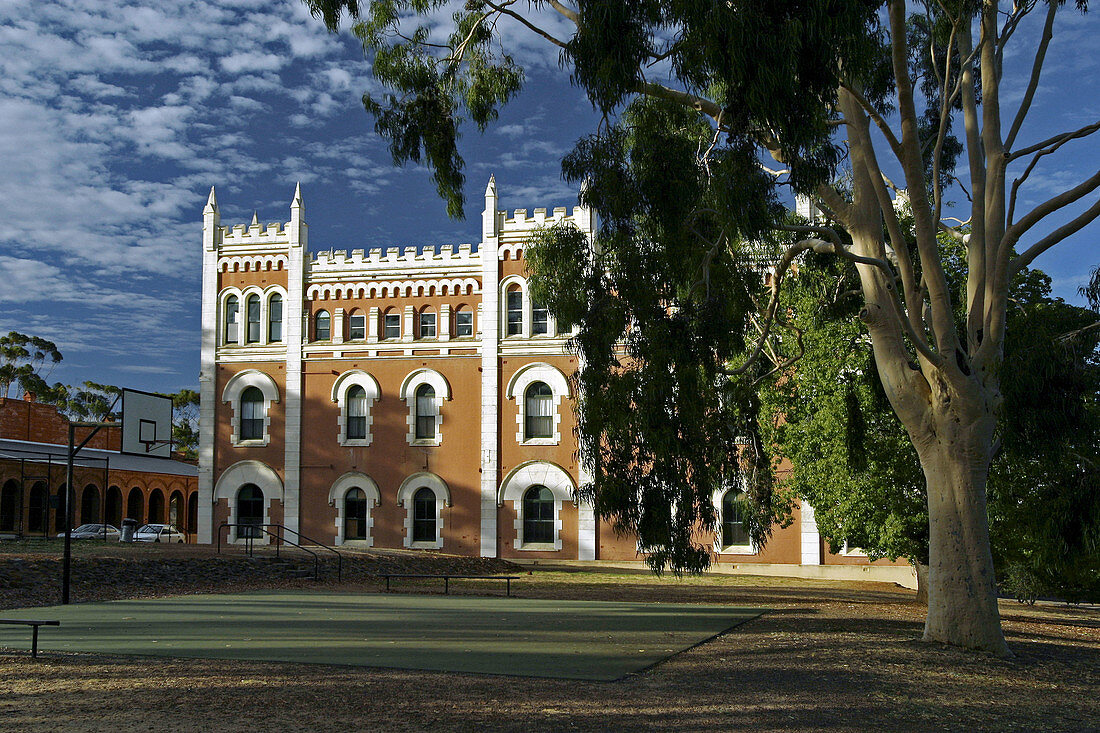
{"points": [[382, 258]]}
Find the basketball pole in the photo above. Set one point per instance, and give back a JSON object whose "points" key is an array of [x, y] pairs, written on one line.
{"points": [[70, 495]]}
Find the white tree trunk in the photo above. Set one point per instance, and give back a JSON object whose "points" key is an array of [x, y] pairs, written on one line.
{"points": [[955, 450]]}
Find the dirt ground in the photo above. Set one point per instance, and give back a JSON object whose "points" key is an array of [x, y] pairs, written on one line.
{"points": [[828, 656]]}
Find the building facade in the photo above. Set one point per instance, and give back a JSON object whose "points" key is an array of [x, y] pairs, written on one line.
{"points": [[108, 485], [405, 398]]}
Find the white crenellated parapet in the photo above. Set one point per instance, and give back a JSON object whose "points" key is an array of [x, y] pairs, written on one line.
{"points": [[394, 288], [514, 232]]}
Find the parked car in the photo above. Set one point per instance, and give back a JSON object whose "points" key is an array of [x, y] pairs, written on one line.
{"points": [[158, 533], [93, 531]]}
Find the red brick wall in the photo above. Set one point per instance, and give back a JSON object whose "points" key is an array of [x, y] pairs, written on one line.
{"points": [[41, 423]]}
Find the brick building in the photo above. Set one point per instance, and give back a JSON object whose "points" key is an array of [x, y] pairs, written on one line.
{"points": [[109, 484], [414, 398]]}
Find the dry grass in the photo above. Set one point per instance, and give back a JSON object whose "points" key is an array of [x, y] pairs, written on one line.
{"points": [[828, 656]]}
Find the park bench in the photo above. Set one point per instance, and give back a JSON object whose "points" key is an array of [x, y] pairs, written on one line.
{"points": [[447, 578], [35, 625]]}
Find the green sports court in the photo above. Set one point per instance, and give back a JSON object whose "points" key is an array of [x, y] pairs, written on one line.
{"points": [[589, 640]]}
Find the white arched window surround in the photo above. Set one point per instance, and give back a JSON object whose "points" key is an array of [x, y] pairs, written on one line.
{"points": [[408, 393], [223, 301], [405, 494], [749, 549], [347, 380], [237, 384], [248, 472], [517, 390], [524, 287], [242, 316], [533, 473], [340, 488]]}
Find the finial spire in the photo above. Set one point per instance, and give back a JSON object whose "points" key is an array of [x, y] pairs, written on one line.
{"points": [[255, 218], [211, 203], [297, 194], [491, 189]]}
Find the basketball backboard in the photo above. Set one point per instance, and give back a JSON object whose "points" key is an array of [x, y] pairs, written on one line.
{"points": [[146, 424]]}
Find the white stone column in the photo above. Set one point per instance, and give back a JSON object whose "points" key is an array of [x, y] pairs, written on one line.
{"points": [[372, 325], [211, 238], [490, 370], [811, 538], [407, 324], [337, 325], [444, 330], [292, 439]]}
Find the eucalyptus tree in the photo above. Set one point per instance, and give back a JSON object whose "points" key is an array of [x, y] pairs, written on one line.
{"points": [[26, 361], [819, 85]]}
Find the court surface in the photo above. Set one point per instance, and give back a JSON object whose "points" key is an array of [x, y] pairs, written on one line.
{"points": [[590, 640]]}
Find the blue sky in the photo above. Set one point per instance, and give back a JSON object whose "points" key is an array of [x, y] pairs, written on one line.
{"points": [[116, 118]]}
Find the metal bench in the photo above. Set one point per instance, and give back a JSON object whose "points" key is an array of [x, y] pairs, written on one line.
{"points": [[35, 625], [447, 579]]}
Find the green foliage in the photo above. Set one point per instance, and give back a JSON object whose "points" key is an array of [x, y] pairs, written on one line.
{"points": [[185, 422], [848, 454], [661, 302], [22, 359]]}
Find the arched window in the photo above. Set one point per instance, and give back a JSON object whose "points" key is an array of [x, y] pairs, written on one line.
{"points": [[391, 325], [539, 411], [464, 323], [540, 318], [89, 504], [355, 515], [733, 519], [322, 326], [252, 305], [275, 319], [9, 498], [357, 413], [232, 319], [112, 511], [424, 519], [156, 507], [250, 510], [425, 412], [357, 326], [427, 324], [538, 515], [37, 507], [514, 312], [135, 504], [62, 500], [252, 414]]}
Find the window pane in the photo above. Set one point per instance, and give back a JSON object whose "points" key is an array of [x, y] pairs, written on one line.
{"points": [[423, 524], [539, 411], [425, 412], [427, 325], [323, 331], [357, 327], [253, 334], [252, 414], [356, 413], [733, 519], [391, 328], [275, 318], [515, 313], [232, 316], [355, 515], [464, 323], [540, 319], [538, 515]]}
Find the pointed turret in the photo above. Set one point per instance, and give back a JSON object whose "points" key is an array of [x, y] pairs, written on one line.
{"points": [[489, 216], [255, 219], [211, 203], [297, 208]]}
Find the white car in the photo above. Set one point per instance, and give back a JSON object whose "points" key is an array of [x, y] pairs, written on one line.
{"points": [[158, 533], [93, 532]]}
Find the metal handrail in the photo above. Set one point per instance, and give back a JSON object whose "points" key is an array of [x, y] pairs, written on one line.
{"points": [[250, 541], [333, 550]]}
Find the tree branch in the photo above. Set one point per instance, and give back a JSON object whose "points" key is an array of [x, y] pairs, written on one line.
{"points": [[503, 9], [884, 128], [1056, 140], [1082, 220], [1036, 70]]}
